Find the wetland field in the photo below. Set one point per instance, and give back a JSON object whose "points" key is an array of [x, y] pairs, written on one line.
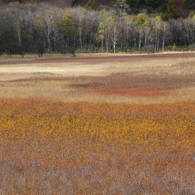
{"points": [[97, 124]]}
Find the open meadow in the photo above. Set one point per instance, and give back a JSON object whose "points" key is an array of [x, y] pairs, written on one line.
{"points": [[97, 124]]}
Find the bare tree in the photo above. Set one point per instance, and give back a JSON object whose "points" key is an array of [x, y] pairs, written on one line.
{"points": [[47, 21], [79, 16], [114, 32]]}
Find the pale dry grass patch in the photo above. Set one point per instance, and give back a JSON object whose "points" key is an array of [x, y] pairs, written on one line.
{"points": [[129, 99], [68, 81], [33, 90]]}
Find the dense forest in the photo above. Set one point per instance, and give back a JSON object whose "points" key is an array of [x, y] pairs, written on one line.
{"points": [[96, 26]]}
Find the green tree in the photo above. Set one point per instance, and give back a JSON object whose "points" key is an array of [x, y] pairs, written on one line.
{"points": [[141, 19], [103, 26], [189, 4], [67, 24], [121, 7], [18, 26], [92, 4], [140, 23], [75, 2], [141, 3], [155, 3], [169, 10], [131, 3], [136, 3], [191, 14], [1, 39], [68, 27]]}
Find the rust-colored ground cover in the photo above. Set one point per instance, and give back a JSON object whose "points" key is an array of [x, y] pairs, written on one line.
{"points": [[96, 148], [126, 84], [123, 91], [121, 84]]}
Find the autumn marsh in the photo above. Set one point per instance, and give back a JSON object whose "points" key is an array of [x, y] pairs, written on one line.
{"points": [[157, 78], [126, 127]]}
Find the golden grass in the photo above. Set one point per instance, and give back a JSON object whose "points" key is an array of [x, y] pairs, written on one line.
{"points": [[96, 148], [61, 139]]}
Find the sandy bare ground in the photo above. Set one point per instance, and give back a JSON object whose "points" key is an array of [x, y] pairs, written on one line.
{"points": [[90, 66]]}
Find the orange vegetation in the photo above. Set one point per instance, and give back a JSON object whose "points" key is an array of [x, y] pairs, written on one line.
{"points": [[96, 148]]}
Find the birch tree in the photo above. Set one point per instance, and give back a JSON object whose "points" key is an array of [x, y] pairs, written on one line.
{"points": [[114, 32], [141, 19], [47, 21], [102, 28]]}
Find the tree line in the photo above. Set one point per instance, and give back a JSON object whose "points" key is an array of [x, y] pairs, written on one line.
{"points": [[44, 27]]}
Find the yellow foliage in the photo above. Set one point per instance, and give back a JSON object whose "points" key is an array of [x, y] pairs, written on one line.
{"points": [[85, 133]]}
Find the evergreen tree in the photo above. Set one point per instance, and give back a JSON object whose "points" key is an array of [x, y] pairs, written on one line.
{"points": [[136, 3], [68, 28], [189, 3], [169, 10], [121, 7], [91, 4], [67, 25], [131, 3], [141, 3], [155, 3]]}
